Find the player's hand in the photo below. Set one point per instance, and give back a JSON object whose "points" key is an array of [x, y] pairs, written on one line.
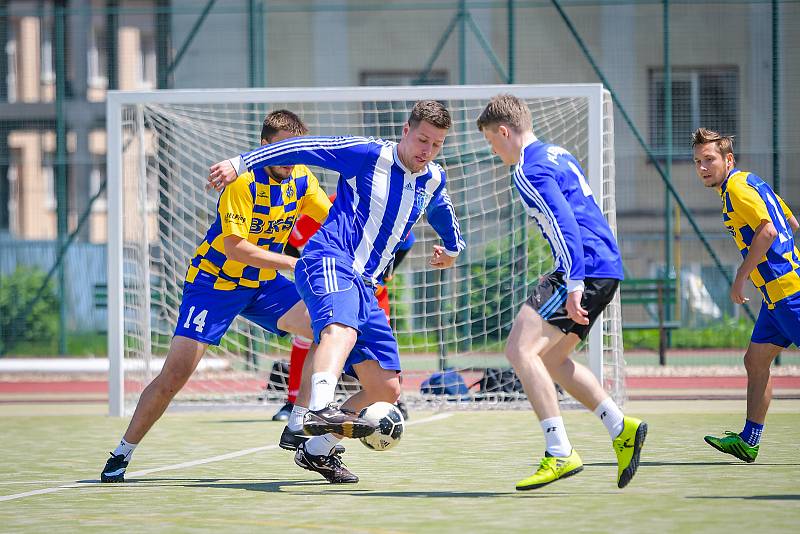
{"points": [[439, 259], [574, 308], [221, 174], [737, 291]]}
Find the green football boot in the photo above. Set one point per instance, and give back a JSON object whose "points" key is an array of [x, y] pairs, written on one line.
{"points": [[628, 446], [551, 468], [734, 445]]}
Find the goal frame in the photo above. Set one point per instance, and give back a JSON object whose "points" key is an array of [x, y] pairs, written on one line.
{"points": [[116, 100]]}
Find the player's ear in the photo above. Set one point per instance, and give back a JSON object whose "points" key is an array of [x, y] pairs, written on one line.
{"points": [[264, 142], [503, 131]]}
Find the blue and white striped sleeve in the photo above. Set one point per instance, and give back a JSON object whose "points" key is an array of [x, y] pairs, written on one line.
{"points": [[540, 191], [442, 217], [344, 155]]}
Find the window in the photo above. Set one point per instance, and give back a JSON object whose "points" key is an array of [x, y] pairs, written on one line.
{"points": [[97, 58], [702, 96], [384, 119], [11, 75], [147, 60]]}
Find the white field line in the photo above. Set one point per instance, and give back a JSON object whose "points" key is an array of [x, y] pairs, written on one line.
{"points": [[221, 457]]}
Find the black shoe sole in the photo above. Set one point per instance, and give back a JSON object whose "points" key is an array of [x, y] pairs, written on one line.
{"points": [[348, 429], [746, 459], [112, 480], [562, 477], [638, 442]]}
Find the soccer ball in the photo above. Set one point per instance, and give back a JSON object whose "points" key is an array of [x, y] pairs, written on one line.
{"points": [[390, 424]]}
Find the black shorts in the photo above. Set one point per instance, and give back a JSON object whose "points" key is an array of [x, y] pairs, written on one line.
{"points": [[549, 299]]}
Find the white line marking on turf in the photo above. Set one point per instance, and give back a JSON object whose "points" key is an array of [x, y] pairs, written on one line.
{"points": [[221, 457]]}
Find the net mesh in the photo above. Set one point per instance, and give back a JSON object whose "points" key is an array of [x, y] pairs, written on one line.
{"points": [[454, 319]]}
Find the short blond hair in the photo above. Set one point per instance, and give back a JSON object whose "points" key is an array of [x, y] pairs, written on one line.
{"points": [[282, 120], [508, 110], [703, 136]]}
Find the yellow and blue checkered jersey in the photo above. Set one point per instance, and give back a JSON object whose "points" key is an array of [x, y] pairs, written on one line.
{"points": [[747, 202], [262, 210]]}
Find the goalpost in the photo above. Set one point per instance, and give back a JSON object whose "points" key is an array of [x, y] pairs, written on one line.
{"points": [[161, 143]]}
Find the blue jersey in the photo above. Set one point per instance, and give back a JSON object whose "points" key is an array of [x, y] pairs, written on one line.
{"points": [[377, 199], [555, 193]]}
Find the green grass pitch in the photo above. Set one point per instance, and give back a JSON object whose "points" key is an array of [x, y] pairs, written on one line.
{"points": [[198, 472]]}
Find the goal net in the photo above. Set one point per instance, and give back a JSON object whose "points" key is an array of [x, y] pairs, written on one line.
{"points": [[160, 145]]}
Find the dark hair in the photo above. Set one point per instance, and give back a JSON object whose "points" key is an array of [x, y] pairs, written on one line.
{"points": [[282, 120], [432, 112], [703, 136], [506, 109]]}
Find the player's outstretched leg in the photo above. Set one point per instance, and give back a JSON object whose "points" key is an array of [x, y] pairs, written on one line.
{"points": [[733, 444], [628, 445], [552, 468], [329, 466], [184, 355]]}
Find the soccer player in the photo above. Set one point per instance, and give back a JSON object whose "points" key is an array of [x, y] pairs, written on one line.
{"points": [[303, 229], [234, 272], [762, 227], [565, 303], [383, 189]]}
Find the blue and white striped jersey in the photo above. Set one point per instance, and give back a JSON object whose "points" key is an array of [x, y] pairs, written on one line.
{"points": [[377, 199], [555, 193]]}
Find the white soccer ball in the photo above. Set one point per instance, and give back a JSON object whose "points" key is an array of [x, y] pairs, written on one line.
{"points": [[390, 425]]}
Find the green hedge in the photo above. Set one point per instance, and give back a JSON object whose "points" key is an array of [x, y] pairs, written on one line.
{"points": [[19, 321]]}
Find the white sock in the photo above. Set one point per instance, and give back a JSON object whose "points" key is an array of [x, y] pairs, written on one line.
{"points": [[555, 436], [125, 448], [611, 416], [323, 389], [295, 422], [321, 445]]}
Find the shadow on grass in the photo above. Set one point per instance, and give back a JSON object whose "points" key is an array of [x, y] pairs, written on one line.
{"points": [[276, 486], [344, 489], [749, 497]]}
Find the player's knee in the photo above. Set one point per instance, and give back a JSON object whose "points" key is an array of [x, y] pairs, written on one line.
{"points": [[173, 377], [339, 334], [387, 391], [391, 394], [513, 353], [755, 364]]}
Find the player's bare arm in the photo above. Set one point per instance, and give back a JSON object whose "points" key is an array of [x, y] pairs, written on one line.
{"points": [[762, 240], [794, 224], [243, 251]]}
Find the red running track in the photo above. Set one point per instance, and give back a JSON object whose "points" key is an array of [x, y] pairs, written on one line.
{"points": [[410, 382]]}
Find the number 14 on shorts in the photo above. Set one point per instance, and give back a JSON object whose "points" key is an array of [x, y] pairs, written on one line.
{"points": [[199, 321]]}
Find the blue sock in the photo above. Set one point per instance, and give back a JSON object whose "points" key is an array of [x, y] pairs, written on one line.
{"points": [[751, 433]]}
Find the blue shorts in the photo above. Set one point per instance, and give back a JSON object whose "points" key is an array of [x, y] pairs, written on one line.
{"points": [[207, 313], [334, 293], [779, 326]]}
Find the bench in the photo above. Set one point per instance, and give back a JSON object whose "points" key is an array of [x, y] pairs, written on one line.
{"points": [[100, 295], [646, 292]]}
